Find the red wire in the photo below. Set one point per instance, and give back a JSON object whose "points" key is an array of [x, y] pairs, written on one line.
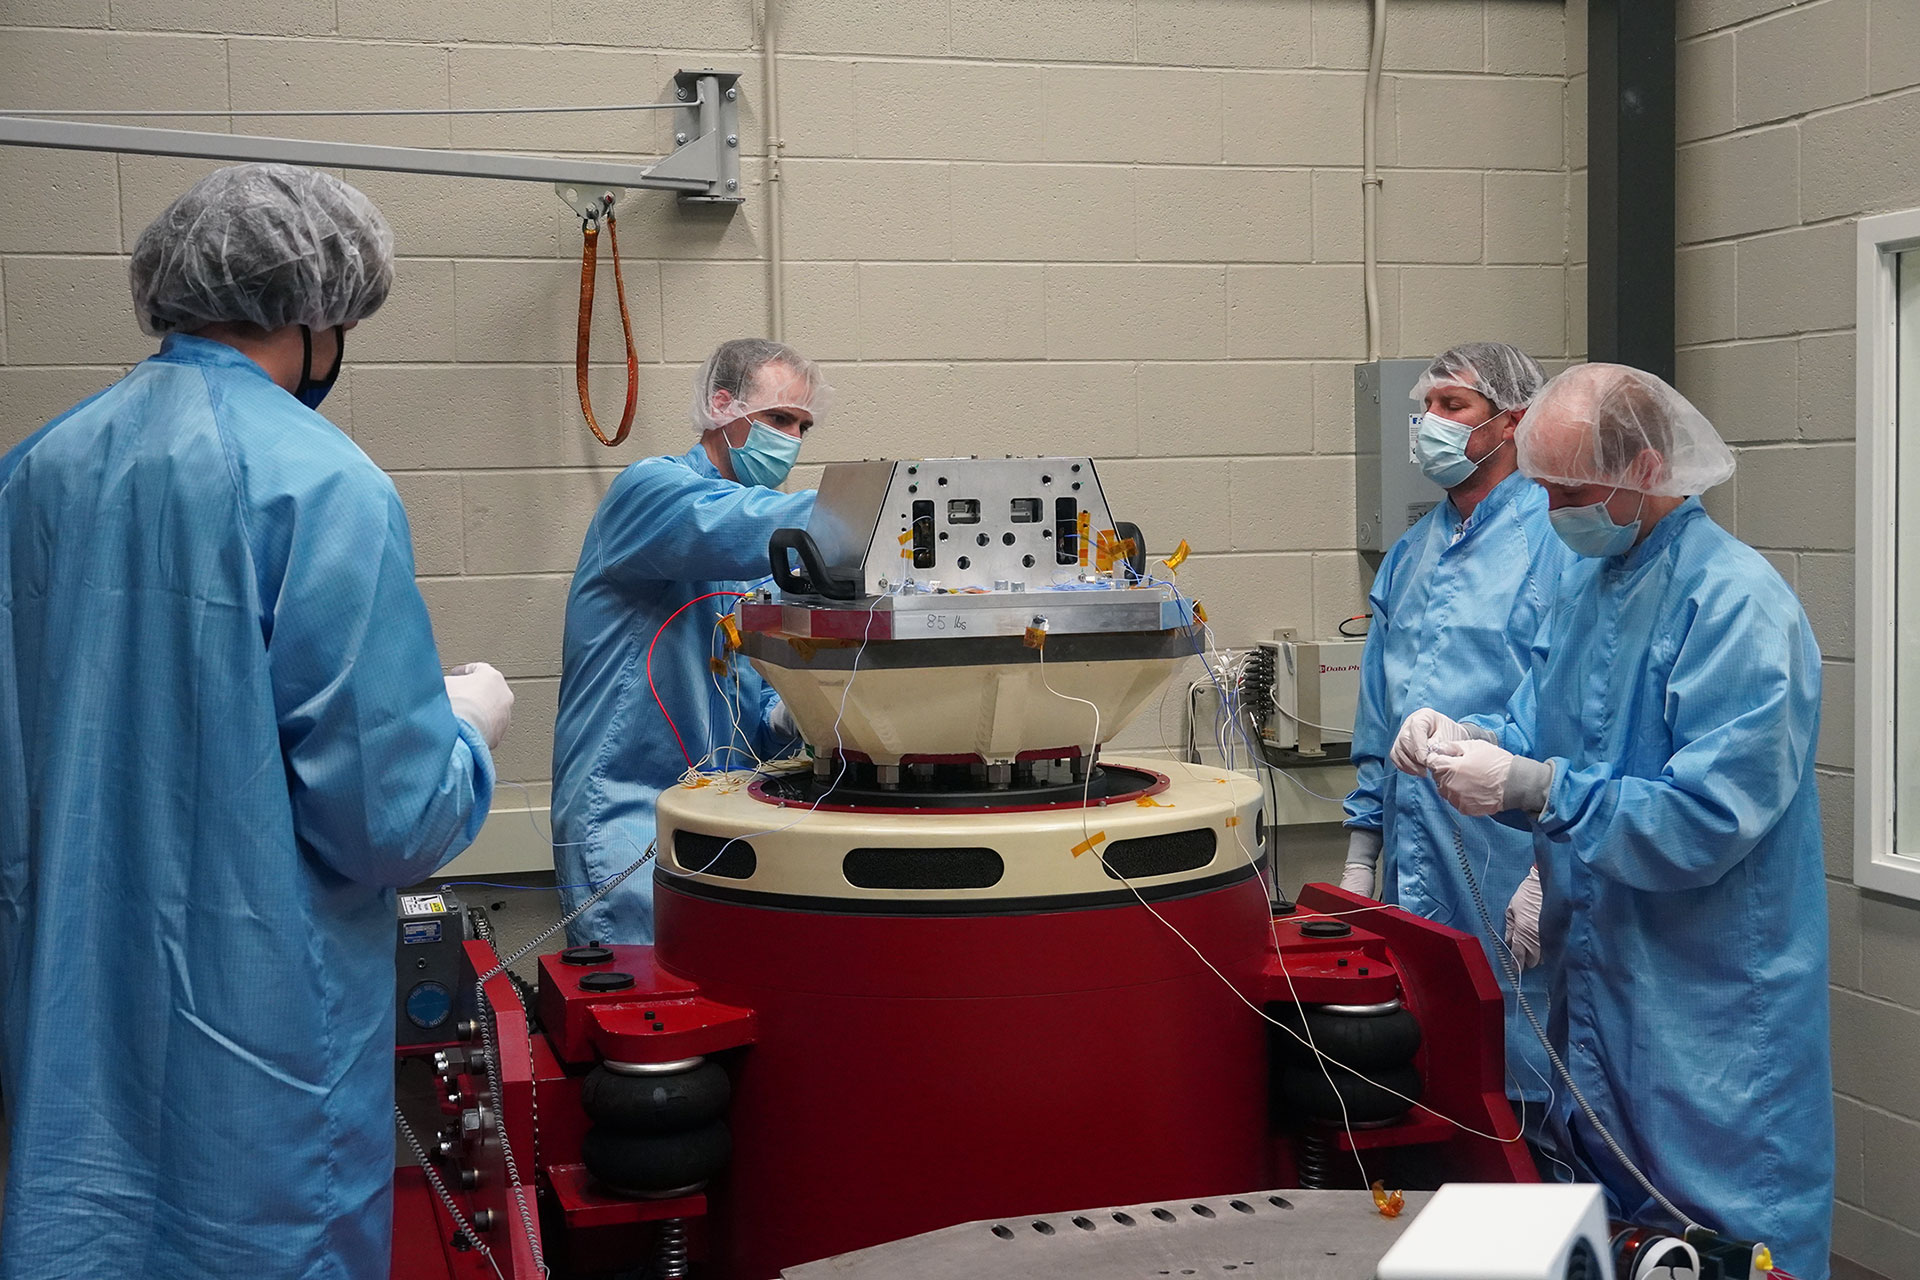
{"points": [[656, 640]]}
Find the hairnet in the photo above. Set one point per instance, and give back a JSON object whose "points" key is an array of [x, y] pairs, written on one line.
{"points": [[1507, 376], [265, 244], [757, 374], [1591, 425]]}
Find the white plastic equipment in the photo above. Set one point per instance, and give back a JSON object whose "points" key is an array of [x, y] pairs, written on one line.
{"points": [[1494, 1231]]}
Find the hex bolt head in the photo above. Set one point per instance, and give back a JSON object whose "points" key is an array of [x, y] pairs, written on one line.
{"points": [[733, 139], [732, 94], [680, 139], [733, 184]]}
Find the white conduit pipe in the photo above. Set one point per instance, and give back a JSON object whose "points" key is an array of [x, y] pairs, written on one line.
{"points": [[1370, 179], [776, 250]]}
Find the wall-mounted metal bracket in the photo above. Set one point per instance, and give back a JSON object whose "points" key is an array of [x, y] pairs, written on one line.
{"points": [[704, 168], [707, 130]]}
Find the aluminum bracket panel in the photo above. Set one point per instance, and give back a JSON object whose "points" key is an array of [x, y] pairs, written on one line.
{"points": [[957, 523], [705, 168], [1299, 1235], [951, 615]]}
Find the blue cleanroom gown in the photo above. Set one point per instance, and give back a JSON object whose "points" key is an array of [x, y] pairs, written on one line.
{"points": [[1684, 914], [669, 529], [224, 737], [1456, 608]]}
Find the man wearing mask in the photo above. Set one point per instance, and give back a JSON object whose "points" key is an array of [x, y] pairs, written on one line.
{"points": [[224, 739], [1661, 752], [1457, 603], [641, 702]]}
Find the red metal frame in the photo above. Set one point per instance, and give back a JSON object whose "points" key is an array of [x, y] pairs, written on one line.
{"points": [[897, 1074], [1446, 983]]}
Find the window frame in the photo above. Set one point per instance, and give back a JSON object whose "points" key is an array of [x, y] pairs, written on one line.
{"points": [[1877, 864]]}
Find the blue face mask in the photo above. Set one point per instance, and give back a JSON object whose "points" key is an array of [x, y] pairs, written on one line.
{"points": [[312, 390], [1440, 446], [1590, 530], [765, 458]]}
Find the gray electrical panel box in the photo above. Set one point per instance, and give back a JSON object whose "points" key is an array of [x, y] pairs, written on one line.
{"points": [[1390, 493]]}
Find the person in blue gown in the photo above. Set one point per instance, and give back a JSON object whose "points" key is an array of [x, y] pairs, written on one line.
{"points": [[641, 700], [1661, 752], [225, 738], [1456, 605]]}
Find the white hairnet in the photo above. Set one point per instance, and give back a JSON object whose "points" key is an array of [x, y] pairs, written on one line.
{"points": [[1507, 376], [757, 374], [265, 244], [1595, 423]]}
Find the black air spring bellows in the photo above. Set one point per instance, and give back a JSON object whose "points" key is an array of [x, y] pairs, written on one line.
{"points": [[656, 1132], [1378, 1042]]}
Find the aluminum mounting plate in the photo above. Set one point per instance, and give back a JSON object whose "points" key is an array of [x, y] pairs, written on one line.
{"points": [[1264, 1235]]}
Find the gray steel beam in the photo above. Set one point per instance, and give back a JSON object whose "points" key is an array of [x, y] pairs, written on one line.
{"points": [[706, 167]]}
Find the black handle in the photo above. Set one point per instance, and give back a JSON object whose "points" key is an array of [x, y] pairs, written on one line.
{"points": [[817, 580], [1128, 531]]}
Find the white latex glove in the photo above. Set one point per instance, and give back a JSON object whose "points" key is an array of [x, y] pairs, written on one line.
{"points": [[480, 696], [780, 720], [1523, 921], [1419, 733], [1479, 778], [1363, 853], [1472, 775], [1357, 877]]}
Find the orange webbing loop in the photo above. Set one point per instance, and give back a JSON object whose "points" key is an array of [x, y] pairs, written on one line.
{"points": [[589, 256]]}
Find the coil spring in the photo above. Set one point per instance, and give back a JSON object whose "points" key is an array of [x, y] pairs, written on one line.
{"points": [[670, 1250], [1316, 1161]]}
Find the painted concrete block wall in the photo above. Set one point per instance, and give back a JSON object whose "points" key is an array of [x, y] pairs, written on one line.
{"points": [[1129, 228], [1794, 120]]}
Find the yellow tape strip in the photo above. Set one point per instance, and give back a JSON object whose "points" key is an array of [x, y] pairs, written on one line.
{"points": [[1090, 843]]}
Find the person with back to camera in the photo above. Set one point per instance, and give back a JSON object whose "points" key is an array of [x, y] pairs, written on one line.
{"points": [[225, 738]]}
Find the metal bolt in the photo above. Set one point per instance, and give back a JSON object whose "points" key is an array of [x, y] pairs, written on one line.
{"points": [[733, 184], [469, 1179], [733, 139], [679, 139], [732, 94], [680, 93], [484, 1219], [446, 1147]]}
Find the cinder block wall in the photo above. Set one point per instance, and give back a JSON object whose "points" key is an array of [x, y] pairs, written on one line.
{"points": [[1129, 228], [1795, 120]]}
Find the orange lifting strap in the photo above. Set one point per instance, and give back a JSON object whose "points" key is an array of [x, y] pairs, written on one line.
{"points": [[589, 257]]}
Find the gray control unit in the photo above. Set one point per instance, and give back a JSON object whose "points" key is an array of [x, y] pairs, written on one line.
{"points": [[1389, 490], [433, 991]]}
